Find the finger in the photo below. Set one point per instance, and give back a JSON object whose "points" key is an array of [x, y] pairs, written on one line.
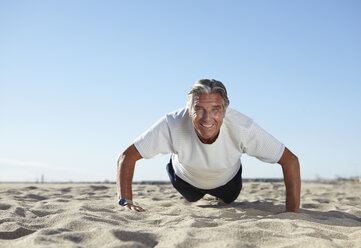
{"points": [[141, 209], [137, 208]]}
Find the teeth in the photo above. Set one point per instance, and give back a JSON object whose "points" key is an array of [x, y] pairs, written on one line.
{"points": [[207, 126]]}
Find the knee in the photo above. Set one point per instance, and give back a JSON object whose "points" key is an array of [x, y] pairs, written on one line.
{"points": [[232, 198], [229, 201]]}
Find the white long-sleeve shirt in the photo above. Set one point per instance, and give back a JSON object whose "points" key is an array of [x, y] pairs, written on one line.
{"points": [[208, 166]]}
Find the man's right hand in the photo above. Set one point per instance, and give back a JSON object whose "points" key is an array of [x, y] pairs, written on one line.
{"points": [[134, 207], [125, 170]]}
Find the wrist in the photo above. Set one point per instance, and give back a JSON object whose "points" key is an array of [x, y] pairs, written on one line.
{"points": [[125, 201]]}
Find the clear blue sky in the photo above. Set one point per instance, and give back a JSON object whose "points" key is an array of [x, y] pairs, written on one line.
{"points": [[80, 80]]}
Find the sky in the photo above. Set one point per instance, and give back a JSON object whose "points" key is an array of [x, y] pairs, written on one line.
{"points": [[81, 80]]}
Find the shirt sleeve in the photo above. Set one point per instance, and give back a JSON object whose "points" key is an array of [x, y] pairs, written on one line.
{"points": [[155, 141], [263, 145]]}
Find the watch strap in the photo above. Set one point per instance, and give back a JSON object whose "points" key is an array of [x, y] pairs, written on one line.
{"points": [[124, 201]]}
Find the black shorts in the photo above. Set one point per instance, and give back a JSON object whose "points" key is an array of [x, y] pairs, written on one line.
{"points": [[228, 192]]}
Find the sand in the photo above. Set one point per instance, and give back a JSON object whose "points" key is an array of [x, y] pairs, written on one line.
{"points": [[87, 215]]}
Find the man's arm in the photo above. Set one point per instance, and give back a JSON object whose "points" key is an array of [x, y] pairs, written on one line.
{"points": [[125, 171], [292, 179]]}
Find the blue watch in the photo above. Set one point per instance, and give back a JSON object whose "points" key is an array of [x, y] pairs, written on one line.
{"points": [[124, 201]]}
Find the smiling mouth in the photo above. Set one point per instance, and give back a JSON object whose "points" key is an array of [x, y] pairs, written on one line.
{"points": [[207, 126]]}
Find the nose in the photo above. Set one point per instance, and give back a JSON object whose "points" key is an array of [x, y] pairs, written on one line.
{"points": [[205, 115]]}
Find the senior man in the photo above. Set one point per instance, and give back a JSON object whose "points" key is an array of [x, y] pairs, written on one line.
{"points": [[206, 140]]}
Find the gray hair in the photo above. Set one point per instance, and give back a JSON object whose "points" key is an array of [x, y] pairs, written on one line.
{"points": [[207, 86]]}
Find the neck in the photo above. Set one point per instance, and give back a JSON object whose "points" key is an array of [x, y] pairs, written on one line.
{"points": [[207, 141]]}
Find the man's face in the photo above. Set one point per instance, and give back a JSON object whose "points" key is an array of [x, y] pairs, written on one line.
{"points": [[207, 116]]}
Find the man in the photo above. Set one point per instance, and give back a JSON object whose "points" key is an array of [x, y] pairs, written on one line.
{"points": [[206, 140]]}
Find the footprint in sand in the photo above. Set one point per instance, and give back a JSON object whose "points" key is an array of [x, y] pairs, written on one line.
{"points": [[143, 238], [20, 212], [18, 233], [34, 197], [4, 206]]}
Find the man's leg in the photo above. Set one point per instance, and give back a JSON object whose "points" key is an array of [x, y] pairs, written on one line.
{"points": [[230, 191], [189, 192]]}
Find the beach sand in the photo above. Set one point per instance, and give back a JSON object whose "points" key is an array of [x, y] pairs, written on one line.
{"points": [[87, 215]]}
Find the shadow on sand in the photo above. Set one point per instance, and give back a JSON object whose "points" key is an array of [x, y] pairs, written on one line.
{"points": [[261, 209]]}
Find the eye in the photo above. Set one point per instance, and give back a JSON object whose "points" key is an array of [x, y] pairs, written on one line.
{"points": [[197, 108]]}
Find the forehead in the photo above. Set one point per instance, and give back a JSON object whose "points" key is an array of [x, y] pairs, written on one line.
{"points": [[208, 99]]}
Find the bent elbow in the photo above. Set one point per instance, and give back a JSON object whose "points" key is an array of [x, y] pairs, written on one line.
{"points": [[130, 155], [288, 158]]}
